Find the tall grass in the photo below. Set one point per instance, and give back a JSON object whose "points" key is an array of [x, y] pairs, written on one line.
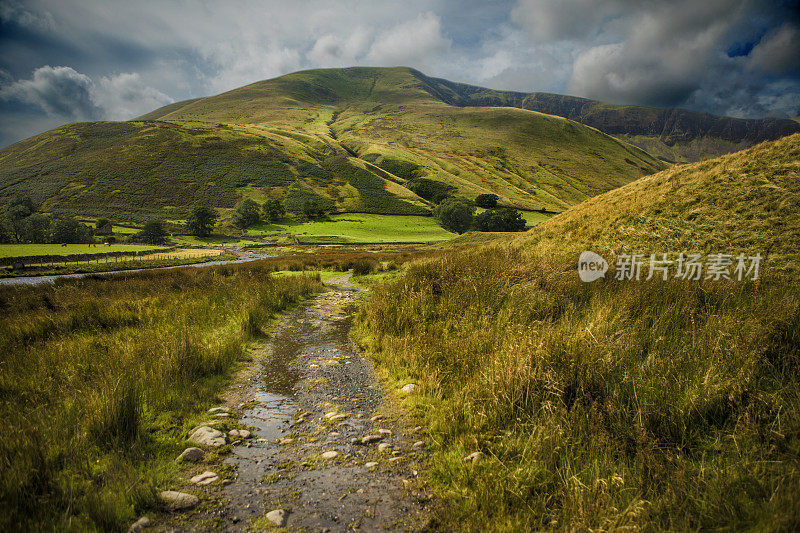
{"points": [[100, 378], [612, 405]]}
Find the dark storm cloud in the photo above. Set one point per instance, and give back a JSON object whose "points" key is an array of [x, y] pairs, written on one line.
{"points": [[64, 60]]}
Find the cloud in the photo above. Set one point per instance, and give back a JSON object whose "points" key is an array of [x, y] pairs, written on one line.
{"points": [[125, 96], [778, 52], [415, 42], [332, 50], [548, 20], [58, 91], [65, 94]]}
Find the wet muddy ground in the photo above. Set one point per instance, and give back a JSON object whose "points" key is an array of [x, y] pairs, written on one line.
{"points": [[310, 406]]}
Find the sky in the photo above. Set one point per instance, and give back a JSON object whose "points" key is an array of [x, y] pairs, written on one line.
{"points": [[65, 61]]}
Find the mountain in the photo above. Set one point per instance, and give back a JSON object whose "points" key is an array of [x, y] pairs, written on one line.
{"points": [[355, 139], [675, 135]]}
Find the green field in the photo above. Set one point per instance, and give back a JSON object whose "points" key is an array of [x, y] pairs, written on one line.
{"points": [[360, 227], [20, 250]]}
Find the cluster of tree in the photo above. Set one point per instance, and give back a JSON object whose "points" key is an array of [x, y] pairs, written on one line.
{"points": [[457, 214], [248, 213], [431, 190], [21, 223]]}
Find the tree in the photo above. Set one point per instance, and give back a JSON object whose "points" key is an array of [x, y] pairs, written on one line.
{"points": [[70, 231], [35, 229], [500, 219], [101, 222], [201, 221], [153, 233], [455, 214], [246, 213], [273, 210], [487, 201]]}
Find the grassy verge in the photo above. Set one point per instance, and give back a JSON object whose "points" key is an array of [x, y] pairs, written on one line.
{"points": [[101, 379], [123, 264], [612, 405]]}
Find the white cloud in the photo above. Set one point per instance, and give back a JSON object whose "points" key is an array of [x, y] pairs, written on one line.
{"points": [[125, 96], [417, 42], [58, 91], [332, 50]]}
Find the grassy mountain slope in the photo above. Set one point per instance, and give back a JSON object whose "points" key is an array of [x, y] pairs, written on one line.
{"points": [[614, 405], [670, 133], [351, 138], [747, 201]]}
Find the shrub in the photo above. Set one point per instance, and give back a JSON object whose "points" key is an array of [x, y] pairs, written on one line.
{"points": [[152, 233], [362, 267], [431, 190]]}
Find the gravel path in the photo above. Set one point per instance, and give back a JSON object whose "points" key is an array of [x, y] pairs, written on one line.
{"points": [[309, 406]]}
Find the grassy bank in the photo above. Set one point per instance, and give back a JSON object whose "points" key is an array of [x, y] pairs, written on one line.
{"points": [[101, 379], [612, 405], [114, 264]]}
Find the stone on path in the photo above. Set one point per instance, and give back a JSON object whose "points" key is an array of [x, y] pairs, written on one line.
{"points": [[176, 501], [367, 439], [371, 464], [384, 447], [410, 388], [329, 454], [206, 478], [139, 525], [337, 418], [277, 517], [218, 410], [207, 436], [190, 455], [386, 432], [239, 434], [418, 445]]}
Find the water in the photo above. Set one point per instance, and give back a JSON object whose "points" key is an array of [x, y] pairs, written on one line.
{"points": [[244, 257]]}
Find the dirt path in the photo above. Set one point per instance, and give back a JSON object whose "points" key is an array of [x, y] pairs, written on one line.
{"points": [[310, 369]]}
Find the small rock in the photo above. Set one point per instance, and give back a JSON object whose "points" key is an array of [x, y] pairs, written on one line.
{"points": [[410, 388], [384, 447], [337, 418], [418, 429], [287, 440], [139, 525], [176, 501], [371, 464], [313, 365], [418, 445], [329, 414], [207, 436], [221, 415], [385, 432], [376, 418], [190, 455], [277, 517], [218, 410], [396, 452], [333, 434], [239, 434], [367, 439], [474, 457], [329, 454], [395, 459], [355, 440], [206, 478]]}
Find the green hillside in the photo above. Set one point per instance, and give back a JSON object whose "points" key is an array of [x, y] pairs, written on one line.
{"points": [[744, 202], [617, 405], [354, 139]]}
